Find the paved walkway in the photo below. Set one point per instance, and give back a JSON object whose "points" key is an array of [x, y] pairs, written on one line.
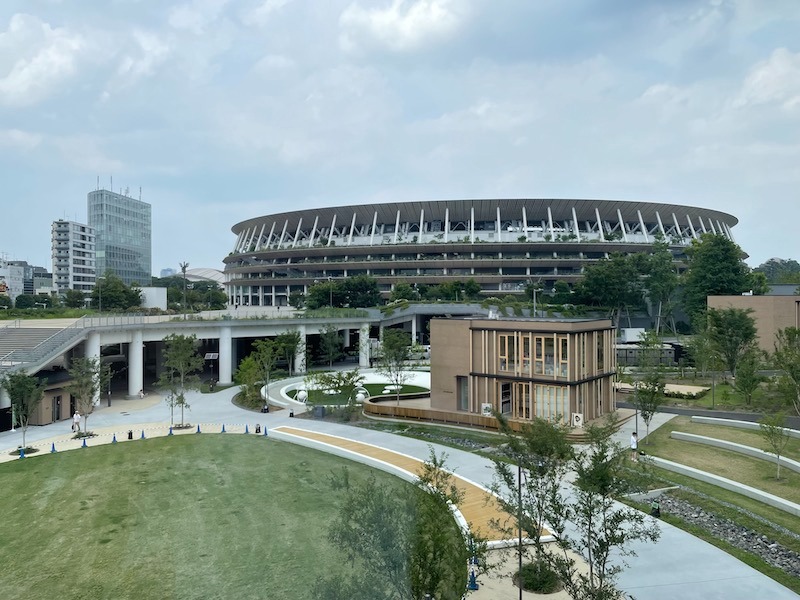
{"points": [[677, 566]]}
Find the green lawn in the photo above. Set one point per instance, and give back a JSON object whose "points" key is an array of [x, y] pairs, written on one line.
{"points": [[183, 517]]}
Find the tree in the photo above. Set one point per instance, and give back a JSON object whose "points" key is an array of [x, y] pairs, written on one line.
{"points": [[330, 344], [181, 363], [472, 289], [403, 291], [116, 295], [701, 349], [360, 291], [715, 267], [786, 358], [649, 389], [324, 293], [776, 436], [5, 301], [748, 377], [24, 301], [614, 282], [248, 376], [562, 293], [288, 344], [759, 284], [74, 299], [26, 393], [88, 376], [265, 355], [393, 356], [603, 531], [661, 280], [297, 299], [406, 544], [528, 492], [777, 270], [732, 332]]}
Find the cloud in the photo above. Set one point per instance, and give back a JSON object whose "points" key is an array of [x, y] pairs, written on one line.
{"points": [[149, 53], [86, 152], [18, 139], [197, 15], [35, 59], [773, 81], [405, 25], [263, 12]]}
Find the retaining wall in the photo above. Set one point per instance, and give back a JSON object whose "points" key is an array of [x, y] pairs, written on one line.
{"points": [[738, 424], [788, 463]]}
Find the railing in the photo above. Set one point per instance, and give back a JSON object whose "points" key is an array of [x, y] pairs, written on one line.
{"points": [[384, 409], [45, 350]]}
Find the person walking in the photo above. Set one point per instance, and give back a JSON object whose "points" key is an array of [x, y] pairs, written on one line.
{"points": [[76, 422], [634, 445]]}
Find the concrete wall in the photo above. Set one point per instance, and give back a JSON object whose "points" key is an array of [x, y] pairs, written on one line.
{"points": [[728, 484], [788, 463], [738, 424]]}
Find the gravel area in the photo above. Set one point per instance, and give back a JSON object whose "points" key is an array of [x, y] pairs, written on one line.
{"points": [[745, 539]]}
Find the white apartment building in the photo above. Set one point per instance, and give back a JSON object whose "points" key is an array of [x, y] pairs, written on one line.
{"points": [[73, 249]]}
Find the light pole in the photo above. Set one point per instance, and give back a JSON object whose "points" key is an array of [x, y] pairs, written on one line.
{"points": [[99, 286], [330, 292], [184, 266]]}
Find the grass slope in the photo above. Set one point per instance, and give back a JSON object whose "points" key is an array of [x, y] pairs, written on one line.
{"points": [[184, 517]]}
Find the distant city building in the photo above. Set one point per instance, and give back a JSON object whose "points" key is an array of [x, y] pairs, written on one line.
{"points": [[167, 272], [123, 229], [73, 250], [12, 279]]}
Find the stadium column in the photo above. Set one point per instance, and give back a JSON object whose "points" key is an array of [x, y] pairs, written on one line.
{"points": [[300, 352], [225, 356], [93, 351], [363, 346], [135, 365]]}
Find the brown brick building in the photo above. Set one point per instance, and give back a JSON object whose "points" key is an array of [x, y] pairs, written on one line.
{"points": [[550, 368]]}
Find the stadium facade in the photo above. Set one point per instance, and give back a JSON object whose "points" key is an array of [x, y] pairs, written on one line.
{"points": [[501, 244]]}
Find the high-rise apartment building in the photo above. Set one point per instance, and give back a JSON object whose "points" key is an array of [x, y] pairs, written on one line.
{"points": [[73, 249], [123, 228]]}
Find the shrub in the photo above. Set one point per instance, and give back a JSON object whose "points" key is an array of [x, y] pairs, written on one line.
{"points": [[539, 578]]}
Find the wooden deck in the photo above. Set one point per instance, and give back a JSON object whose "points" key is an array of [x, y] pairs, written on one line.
{"points": [[478, 506]]}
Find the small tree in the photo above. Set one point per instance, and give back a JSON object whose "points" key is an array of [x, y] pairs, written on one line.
{"points": [[787, 358], [529, 491], [649, 389], [602, 531], [248, 376], [25, 393], [393, 356], [181, 363], [732, 332], [748, 376], [773, 430], [330, 344], [88, 377], [74, 299], [288, 344]]}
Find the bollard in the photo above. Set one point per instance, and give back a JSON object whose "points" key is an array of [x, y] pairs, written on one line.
{"points": [[246, 430], [265, 431], [223, 428], [83, 445], [198, 428], [473, 581], [53, 448], [114, 439], [130, 434], [141, 438], [170, 430], [21, 452]]}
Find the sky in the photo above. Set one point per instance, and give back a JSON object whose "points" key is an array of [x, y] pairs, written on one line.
{"points": [[225, 110]]}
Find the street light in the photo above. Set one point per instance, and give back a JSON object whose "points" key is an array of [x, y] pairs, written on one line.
{"points": [[100, 292], [330, 291], [184, 266]]}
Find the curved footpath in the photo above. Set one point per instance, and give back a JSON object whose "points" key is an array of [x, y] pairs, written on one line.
{"points": [[679, 565]]}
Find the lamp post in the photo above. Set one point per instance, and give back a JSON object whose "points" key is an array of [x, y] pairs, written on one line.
{"points": [[100, 292], [184, 266], [330, 292]]}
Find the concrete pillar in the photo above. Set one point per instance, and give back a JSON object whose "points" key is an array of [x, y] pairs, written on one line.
{"points": [[300, 352], [225, 357], [5, 401], [93, 351], [414, 339], [363, 346], [135, 364], [346, 337]]}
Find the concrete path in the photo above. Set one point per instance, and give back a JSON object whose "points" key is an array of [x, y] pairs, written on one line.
{"points": [[678, 566]]}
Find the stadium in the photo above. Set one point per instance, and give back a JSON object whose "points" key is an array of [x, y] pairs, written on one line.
{"points": [[502, 244]]}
